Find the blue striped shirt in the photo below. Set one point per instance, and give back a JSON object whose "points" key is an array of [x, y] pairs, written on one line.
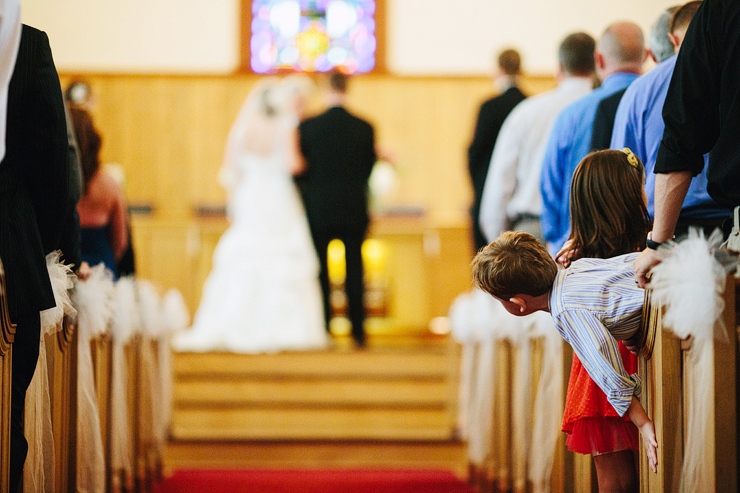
{"points": [[594, 303]]}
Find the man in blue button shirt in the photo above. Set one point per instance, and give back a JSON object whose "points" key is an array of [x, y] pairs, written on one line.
{"points": [[639, 126], [619, 56]]}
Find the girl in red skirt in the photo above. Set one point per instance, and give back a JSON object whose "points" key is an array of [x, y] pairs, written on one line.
{"points": [[606, 221]]}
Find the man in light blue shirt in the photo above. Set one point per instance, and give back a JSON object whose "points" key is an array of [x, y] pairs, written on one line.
{"points": [[619, 56], [639, 125]]}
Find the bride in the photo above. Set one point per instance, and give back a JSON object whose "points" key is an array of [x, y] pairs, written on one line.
{"points": [[263, 293]]}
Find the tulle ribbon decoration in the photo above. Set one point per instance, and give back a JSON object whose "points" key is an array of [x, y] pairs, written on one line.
{"points": [[478, 322], [547, 411], [38, 472], [94, 301], [124, 325], [689, 283]]}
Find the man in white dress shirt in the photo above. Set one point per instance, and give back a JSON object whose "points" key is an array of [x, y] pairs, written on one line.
{"points": [[511, 196]]}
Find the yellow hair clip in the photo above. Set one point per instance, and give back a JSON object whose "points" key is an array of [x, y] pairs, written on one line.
{"points": [[631, 157]]}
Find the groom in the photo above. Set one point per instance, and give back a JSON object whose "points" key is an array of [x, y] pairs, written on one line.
{"points": [[339, 149]]}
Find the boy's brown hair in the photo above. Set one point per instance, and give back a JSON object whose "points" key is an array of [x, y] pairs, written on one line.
{"points": [[515, 263]]}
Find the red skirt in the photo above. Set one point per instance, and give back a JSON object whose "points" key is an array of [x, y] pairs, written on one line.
{"points": [[592, 424]]}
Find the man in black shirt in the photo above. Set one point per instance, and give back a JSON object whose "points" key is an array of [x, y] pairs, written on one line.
{"points": [[701, 114]]}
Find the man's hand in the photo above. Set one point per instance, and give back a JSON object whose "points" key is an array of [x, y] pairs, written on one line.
{"points": [[84, 271], [631, 344], [643, 263], [647, 430]]}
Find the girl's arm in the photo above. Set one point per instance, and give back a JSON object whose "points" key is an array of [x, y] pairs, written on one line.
{"points": [[640, 418]]}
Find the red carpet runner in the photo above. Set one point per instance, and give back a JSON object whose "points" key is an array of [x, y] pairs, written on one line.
{"points": [[340, 481]]}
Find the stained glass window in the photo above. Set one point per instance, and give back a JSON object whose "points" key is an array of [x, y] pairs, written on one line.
{"points": [[313, 35]]}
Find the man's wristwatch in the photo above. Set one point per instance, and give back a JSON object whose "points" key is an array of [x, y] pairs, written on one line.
{"points": [[653, 245]]}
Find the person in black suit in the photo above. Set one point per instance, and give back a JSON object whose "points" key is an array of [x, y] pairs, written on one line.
{"points": [[491, 116], [36, 212], [601, 137], [339, 149]]}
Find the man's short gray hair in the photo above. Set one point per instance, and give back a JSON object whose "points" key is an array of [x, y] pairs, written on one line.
{"points": [[660, 44]]}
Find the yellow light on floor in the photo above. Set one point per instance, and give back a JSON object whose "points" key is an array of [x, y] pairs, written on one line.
{"points": [[336, 262]]}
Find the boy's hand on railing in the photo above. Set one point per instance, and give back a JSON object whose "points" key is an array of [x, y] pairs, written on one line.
{"points": [[647, 430]]}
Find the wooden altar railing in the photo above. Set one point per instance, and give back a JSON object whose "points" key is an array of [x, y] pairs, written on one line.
{"points": [[7, 335], [665, 387]]}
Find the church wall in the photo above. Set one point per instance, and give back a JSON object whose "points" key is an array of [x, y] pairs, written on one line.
{"points": [[423, 37]]}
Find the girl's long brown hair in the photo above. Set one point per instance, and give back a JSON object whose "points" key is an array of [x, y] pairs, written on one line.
{"points": [[89, 142], [608, 215]]}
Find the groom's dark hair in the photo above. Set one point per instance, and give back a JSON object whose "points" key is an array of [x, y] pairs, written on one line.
{"points": [[338, 81]]}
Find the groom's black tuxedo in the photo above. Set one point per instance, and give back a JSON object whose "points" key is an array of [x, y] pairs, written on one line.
{"points": [[36, 211], [339, 149]]}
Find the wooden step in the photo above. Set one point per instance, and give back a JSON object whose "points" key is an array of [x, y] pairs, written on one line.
{"points": [[404, 392], [320, 423], [405, 362], [199, 392]]}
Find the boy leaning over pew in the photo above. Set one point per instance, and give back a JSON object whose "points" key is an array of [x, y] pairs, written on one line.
{"points": [[594, 303]]}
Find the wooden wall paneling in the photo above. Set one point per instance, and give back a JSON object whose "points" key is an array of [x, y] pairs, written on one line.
{"points": [[7, 335], [449, 268], [169, 132], [167, 254]]}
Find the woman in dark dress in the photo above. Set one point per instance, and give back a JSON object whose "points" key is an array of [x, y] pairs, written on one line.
{"points": [[102, 208]]}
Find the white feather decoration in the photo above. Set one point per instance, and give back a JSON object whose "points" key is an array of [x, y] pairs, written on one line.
{"points": [[460, 319], [149, 304], [175, 312], [93, 299], [689, 282], [125, 312]]}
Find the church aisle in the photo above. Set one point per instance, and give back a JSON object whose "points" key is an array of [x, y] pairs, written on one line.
{"points": [[321, 481]]}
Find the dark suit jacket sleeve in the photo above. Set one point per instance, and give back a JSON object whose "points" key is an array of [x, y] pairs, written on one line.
{"points": [[601, 138], [47, 175], [480, 147]]}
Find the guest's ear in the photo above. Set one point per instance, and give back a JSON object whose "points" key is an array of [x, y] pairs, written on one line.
{"points": [[520, 302], [599, 60]]}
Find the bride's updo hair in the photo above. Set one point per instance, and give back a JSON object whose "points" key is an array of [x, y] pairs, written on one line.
{"points": [[298, 88], [268, 104]]}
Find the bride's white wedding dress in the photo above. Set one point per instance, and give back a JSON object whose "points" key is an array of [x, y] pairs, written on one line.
{"points": [[263, 294]]}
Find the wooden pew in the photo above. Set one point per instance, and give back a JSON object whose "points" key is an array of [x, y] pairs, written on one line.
{"points": [[665, 387], [501, 457], [61, 352], [148, 458], [6, 360], [100, 349]]}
